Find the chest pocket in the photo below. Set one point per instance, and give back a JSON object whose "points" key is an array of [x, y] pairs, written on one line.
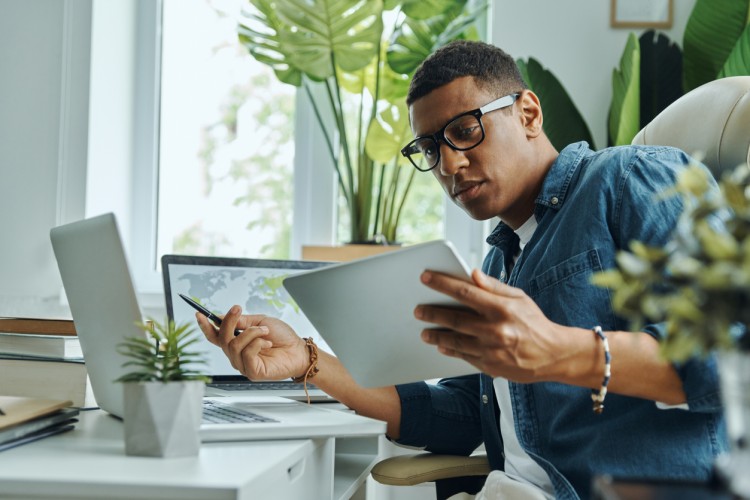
{"points": [[565, 293]]}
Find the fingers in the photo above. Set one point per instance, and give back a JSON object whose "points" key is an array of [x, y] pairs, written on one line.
{"points": [[454, 318], [452, 343], [482, 292], [208, 329], [239, 349]]}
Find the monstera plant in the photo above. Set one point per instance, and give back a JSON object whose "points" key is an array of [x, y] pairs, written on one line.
{"points": [[354, 60]]}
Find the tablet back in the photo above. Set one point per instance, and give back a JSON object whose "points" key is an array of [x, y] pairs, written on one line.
{"points": [[365, 311]]}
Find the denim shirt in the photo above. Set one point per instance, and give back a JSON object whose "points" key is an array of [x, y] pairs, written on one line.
{"points": [[591, 205]]}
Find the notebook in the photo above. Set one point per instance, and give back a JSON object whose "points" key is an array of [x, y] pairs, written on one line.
{"points": [[367, 313], [217, 283], [99, 288]]}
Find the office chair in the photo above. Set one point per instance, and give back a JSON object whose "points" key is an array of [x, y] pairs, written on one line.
{"points": [[713, 119]]}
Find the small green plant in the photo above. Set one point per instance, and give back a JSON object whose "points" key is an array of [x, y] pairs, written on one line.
{"points": [[699, 282], [162, 355]]}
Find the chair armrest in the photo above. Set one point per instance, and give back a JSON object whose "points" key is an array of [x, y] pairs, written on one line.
{"points": [[409, 470]]}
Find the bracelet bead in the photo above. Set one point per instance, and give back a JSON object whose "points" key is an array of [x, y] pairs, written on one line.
{"points": [[597, 396], [312, 368]]}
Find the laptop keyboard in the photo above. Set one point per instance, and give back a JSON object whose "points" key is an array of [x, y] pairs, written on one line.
{"points": [[264, 386], [219, 413]]}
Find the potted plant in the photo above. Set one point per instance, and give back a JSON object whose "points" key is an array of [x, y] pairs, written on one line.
{"points": [[164, 393], [356, 74], [699, 286]]}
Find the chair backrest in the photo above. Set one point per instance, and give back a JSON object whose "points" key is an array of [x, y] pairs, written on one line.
{"points": [[713, 119]]}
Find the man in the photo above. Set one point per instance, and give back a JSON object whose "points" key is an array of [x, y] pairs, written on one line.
{"points": [[532, 317]]}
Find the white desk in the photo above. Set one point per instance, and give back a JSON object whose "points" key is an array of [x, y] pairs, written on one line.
{"points": [[90, 462]]}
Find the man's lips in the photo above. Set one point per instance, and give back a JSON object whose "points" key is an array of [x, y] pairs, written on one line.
{"points": [[465, 190]]}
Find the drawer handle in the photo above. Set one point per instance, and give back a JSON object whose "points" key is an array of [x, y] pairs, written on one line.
{"points": [[295, 471]]}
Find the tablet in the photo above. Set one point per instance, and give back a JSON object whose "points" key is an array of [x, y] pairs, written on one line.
{"points": [[364, 310]]}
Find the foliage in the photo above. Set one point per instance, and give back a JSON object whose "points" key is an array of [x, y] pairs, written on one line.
{"points": [[356, 78], [699, 283], [162, 355], [624, 115]]}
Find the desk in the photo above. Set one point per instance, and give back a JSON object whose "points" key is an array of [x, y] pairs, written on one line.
{"points": [[90, 462]]}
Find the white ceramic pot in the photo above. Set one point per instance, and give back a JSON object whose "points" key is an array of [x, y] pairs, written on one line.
{"points": [[163, 419]]}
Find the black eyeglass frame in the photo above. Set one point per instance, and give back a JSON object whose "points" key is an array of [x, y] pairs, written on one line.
{"points": [[499, 103]]}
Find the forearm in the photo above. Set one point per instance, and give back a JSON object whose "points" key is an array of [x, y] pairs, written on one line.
{"points": [[381, 403], [638, 369]]}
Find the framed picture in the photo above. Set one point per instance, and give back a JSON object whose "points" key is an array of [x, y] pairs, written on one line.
{"points": [[640, 13]]}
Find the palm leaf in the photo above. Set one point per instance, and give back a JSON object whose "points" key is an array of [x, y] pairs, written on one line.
{"points": [[738, 62], [624, 119], [300, 36], [323, 31], [261, 35], [661, 70], [563, 123], [425, 9], [711, 32], [416, 39], [388, 133]]}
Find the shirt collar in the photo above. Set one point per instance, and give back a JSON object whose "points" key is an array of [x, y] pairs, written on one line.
{"points": [[554, 188]]}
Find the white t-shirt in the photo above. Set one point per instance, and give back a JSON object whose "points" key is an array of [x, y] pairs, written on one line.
{"points": [[518, 464]]}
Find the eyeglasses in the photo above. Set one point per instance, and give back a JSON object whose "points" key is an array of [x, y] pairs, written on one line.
{"points": [[462, 133]]}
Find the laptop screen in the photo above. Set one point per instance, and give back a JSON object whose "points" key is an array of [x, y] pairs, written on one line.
{"points": [[218, 283]]}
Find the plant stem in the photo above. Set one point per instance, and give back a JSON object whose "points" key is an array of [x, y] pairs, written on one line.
{"points": [[329, 144]]}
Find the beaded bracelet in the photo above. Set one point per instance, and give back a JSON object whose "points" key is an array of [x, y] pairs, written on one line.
{"points": [[598, 396], [312, 370]]}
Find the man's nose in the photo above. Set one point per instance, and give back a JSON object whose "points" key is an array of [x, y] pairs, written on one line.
{"points": [[451, 161]]}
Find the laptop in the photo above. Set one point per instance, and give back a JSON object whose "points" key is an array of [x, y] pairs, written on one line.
{"points": [[99, 288], [217, 283]]}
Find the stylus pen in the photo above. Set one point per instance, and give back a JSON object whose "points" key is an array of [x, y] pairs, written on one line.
{"points": [[214, 318]]}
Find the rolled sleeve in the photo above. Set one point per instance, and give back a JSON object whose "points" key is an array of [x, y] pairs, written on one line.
{"points": [[699, 376], [442, 418]]}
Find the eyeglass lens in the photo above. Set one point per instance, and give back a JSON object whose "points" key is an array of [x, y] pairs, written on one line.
{"points": [[463, 133]]}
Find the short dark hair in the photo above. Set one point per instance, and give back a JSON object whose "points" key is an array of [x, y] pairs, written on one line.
{"points": [[492, 68]]}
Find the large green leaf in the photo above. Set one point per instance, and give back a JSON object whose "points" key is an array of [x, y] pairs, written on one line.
{"points": [[313, 35], [260, 34], [415, 39], [392, 86], [563, 123], [738, 62], [624, 115], [425, 9], [388, 133], [710, 34], [661, 74]]}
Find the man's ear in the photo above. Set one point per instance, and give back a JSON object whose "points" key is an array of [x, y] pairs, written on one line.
{"points": [[531, 113]]}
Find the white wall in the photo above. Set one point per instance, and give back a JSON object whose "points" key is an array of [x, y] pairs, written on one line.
{"points": [[573, 39], [44, 63]]}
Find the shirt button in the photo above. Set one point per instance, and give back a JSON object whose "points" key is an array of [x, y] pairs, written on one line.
{"points": [[485, 399], [554, 200]]}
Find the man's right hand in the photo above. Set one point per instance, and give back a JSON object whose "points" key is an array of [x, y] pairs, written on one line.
{"points": [[267, 348]]}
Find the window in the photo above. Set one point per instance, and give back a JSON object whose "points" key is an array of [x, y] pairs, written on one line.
{"points": [[226, 140], [215, 150]]}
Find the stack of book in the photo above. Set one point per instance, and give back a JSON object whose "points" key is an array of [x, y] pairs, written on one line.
{"points": [[23, 420], [42, 358]]}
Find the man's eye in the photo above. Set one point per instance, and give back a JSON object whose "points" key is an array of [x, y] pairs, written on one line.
{"points": [[467, 131]]}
